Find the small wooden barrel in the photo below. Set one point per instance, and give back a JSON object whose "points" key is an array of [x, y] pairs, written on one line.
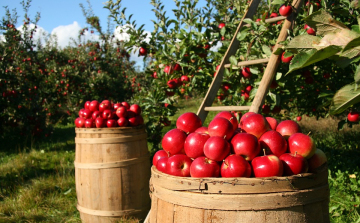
{"points": [[299, 198], [112, 172]]}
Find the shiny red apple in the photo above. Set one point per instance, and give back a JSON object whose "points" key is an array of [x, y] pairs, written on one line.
{"points": [[273, 143], [294, 164], [173, 141], [267, 166], [302, 144], [318, 159], [188, 122], [178, 165], [288, 127], [221, 127], [255, 124], [229, 116], [216, 148], [204, 167], [194, 144], [235, 166], [245, 145]]}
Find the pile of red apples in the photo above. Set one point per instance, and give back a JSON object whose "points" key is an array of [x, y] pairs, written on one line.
{"points": [[255, 146], [106, 114]]}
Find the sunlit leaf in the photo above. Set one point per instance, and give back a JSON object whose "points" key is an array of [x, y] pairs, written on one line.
{"points": [[344, 98]]}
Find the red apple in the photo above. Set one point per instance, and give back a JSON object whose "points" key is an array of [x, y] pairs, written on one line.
{"points": [[353, 116], [94, 105], [298, 118], [121, 112], [273, 143], [247, 114], [100, 122], [89, 123], [171, 84], [142, 51], [302, 144], [229, 116], [140, 119], [133, 121], [309, 30], [158, 155], [286, 59], [86, 113], [245, 145], [272, 122], [246, 72], [161, 164], [130, 114], [293, 164], [255, 124], [173, 141], [288, 127], [122, 122], [168, 69], [235, 166], [136, 109], [216, 148], [87, 104], [81, 113], [96, 114], [273, 15], [194, 144], [267, 166], [116, 106], [104, 105], [111, 123], [178, 165], [318, 159], [202, 130], [285, 10], [125, 104], [184, 78], [204, 167], [222, 127], [80, 122], [221, 25], [108, 114], [188, 122]]}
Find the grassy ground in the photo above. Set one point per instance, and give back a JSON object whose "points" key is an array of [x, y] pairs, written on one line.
{"points": [[37, 179]]}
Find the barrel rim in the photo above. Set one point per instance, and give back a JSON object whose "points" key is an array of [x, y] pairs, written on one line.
{"points": [[240, 185], [112, 129]]}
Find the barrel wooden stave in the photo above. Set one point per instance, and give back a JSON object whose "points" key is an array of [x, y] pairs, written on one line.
{"points": [[307, 201], [112, 178]]}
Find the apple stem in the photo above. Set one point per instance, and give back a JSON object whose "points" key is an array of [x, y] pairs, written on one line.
{"points": [[264, 152], [309, 133], [295, 153]]}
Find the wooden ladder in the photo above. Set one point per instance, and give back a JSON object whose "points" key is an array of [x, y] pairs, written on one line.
{"points": [[272, 64]]}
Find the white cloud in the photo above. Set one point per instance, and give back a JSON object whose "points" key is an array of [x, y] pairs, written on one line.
{"points": [[65, 33]]}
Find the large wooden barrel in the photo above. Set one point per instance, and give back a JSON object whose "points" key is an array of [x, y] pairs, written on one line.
{"points": [[112, 172], [297, 199]]}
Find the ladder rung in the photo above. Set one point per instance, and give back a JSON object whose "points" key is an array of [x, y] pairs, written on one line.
{"points": [[271, 20], [227, 108], [248, 62]]}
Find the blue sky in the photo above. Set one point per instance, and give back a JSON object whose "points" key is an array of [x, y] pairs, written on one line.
{"points": [[65, 18]]}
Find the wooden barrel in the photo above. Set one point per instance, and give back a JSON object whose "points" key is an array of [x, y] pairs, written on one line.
{"points": [[297, 199], [112, 172]]}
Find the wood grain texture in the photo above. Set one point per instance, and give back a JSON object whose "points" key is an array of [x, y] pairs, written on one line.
{"points": [[112, 179]]}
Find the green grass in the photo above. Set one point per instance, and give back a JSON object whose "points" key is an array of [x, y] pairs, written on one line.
{"points": [[37, 178]]}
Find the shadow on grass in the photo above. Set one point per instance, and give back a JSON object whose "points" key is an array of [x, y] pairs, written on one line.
{"points": [[62, 138]]}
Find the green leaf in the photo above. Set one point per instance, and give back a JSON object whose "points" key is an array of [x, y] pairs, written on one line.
{"points": [[266, 50], [357, 75], [242, 35], [352, 49], [278, 2], [222, 31], [323, 22], [303, 42], [278, 51], [344, 98], [233, 60], [304, 59]]}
